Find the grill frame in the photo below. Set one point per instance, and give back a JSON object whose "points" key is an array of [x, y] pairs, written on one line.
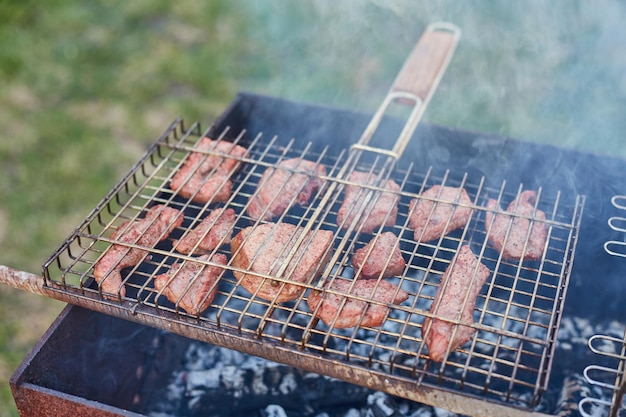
{"points": [[420, 389], [609, 377]]}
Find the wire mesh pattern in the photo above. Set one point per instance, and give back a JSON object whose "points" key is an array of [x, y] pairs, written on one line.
{"points": [[517, 312]]}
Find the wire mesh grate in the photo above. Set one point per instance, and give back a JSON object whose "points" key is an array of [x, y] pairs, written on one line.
{"points": [[516, 314]]}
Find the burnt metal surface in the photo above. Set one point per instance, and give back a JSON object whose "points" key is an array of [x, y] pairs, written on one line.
{"points": [[79, 369], [509, 360]]}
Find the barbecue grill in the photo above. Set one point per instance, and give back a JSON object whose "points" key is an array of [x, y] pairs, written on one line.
{"points": [[504, 370]]}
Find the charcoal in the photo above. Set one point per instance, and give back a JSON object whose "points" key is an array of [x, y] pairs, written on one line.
{"points": [[215, 381], [382, 405], [574, 390], [220, 382], [440, 412], [421, 412], [273, 410]]}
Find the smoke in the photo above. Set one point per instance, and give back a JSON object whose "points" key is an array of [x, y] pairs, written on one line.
{"points": [[549, 72]]}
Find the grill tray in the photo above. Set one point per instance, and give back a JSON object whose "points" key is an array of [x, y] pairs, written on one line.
{"points": [[518, 312]]}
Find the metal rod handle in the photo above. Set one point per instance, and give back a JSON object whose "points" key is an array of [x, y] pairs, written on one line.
{"points": [[22, 280], [416, 83]]}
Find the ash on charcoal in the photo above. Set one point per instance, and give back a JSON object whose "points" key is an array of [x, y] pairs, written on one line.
{"points": [[425, 412], [440, 412], [215, 381], [381, 405], [574, 390], [273, 410]]}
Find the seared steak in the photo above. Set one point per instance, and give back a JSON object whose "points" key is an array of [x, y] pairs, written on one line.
{"points": [[292, 181], [205, 177], [350, 312], [264, 249], [456, 296], [519, 244], [381, 257], [191, 285], [158, 223], [431, 219], [213, 231], [381, 209]]}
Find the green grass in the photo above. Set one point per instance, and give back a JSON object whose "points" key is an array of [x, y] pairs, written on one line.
{"points": [[85, 87]]}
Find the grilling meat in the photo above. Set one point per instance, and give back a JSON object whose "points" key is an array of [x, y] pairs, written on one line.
{"points": [[158, 223], [456, 296], [518, 244], [381, 257], [212, 232], [292, 181], [381, 209], [347, 310], [192, 285], [205, 178], [443, 210], [264, 249]]}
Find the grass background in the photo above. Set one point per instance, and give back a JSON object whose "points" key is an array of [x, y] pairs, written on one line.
{"points": [[85, 87]]}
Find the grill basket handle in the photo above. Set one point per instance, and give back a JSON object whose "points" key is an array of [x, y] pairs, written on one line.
{"points": [[426, 64], [415, 84]]}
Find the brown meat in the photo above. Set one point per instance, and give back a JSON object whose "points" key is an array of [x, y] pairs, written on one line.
{"points": [[212, 232], [456, 296], [381, 257], [263, 249], [293, 181], [328, 306], [381, 209], [208, 175], [158, 223], [429, 218], [192, 285], [517, 228]]}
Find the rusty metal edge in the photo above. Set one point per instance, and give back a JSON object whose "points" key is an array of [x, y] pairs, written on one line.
{"points": [[395, 385], [34, 400]]}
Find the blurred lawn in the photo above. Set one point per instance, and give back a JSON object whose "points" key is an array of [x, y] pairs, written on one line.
{"points": [[85, 87]]}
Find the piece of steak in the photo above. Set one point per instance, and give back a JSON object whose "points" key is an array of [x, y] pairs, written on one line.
{"points": [[205, 178], [381, 209], [292, 181], [343, 311], [381, 257], [212, 232], [443, 210], [519, 243], [263, 249], [192, 285], [455, 300], [158, 223]]}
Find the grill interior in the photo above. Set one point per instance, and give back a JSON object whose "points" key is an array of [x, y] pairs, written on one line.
{"points": [[517, 312]]}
